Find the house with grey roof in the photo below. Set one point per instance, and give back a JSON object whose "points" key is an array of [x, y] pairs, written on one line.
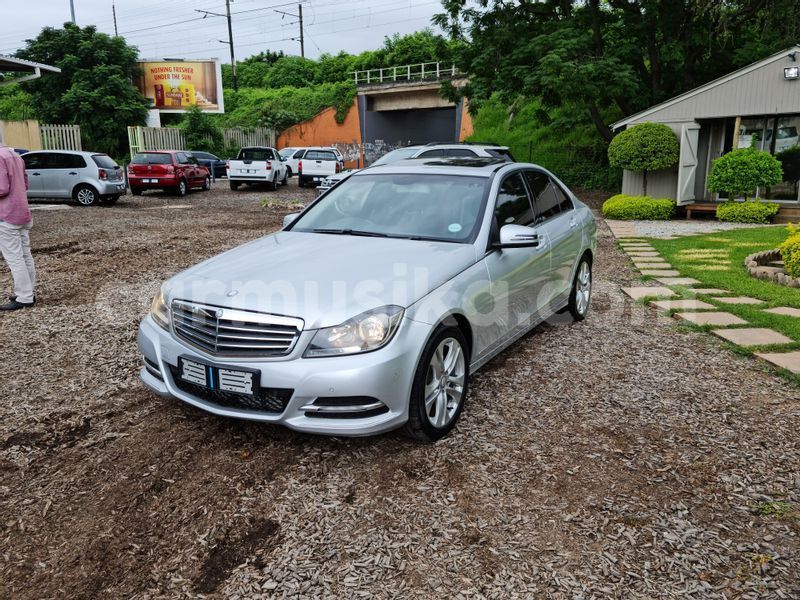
{"points": [[757, 105]]}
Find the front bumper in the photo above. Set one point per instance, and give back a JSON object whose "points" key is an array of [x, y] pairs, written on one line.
{"points": [[384, 375]]}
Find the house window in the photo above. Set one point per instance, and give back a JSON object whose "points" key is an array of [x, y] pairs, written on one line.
{"points": [[752, 133]]}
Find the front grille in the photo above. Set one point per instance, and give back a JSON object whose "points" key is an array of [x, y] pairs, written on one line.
{"points": [[272, 400], [228, 332]]}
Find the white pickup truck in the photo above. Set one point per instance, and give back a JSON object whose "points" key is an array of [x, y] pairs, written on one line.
{"points": [[257, 165], [317, 164]]}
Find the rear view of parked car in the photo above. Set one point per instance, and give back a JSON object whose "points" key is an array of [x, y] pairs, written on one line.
{"points": [[215, 165], [86, 177], [316, 165], [172, 171], [257, 165]]}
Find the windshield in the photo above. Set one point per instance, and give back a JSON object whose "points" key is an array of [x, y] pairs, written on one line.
{"points": [[152, 158], [286, 152], [395, 155], [438, 207]]}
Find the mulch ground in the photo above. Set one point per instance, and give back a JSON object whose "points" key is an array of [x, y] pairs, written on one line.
{"points": [[618, 457]]}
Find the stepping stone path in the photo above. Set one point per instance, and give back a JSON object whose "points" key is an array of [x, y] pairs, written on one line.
{"points": [[686, 304], [785, 360], [739, 300], [649, 262], [752, 336], [786, 311], [660, 272], [637, 293], [717, 319]]}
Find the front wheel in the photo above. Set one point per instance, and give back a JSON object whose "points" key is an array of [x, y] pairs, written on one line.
{"points": [[86, 195], [581, 293], [207, 183], [440, 386], [288, 171], [285, 180]]}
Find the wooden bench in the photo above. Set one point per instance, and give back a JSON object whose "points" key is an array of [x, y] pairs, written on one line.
{"points": [[700, 207]]}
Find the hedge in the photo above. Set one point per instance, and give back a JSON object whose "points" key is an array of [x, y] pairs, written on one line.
{"points": [[629, 208], [790, 252], [752, 211]]}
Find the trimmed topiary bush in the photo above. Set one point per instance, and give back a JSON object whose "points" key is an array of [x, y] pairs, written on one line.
{"points": [[790, 252], [741, 172], [644, 147], [752, 211], [628, 208]]}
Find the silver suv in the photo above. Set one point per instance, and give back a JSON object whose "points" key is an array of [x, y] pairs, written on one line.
{"points": [[87, 177]]}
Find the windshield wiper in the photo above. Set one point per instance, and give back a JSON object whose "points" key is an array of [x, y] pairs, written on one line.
{"points": [[351, 232]]}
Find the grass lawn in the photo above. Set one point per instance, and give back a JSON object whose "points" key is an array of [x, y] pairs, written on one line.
{"points": [[717, 260]]}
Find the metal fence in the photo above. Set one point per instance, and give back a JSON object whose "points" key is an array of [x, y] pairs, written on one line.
{"points": [[418, 72], [60, 137], [254, 136]]}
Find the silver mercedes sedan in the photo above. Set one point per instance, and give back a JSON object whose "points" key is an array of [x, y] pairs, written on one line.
{"points": [[370, 309]]}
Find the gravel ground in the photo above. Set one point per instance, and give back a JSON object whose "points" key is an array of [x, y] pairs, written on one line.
{"points": [[618, 457], [663, 229]]}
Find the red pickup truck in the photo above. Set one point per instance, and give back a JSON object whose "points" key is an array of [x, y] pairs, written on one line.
{"points": [[174, 171]]}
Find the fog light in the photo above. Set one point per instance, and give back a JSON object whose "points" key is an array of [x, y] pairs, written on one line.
{"points": [[791, 72]]}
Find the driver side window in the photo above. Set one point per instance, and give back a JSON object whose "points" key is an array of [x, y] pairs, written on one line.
{"points": [[513, 206]]}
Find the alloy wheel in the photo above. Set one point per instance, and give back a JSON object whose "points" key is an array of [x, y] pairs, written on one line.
{"points": [[583, 288], [86, 196], [444, 383]]}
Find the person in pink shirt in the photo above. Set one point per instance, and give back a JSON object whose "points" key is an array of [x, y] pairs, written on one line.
{"points": [[15, 225]]}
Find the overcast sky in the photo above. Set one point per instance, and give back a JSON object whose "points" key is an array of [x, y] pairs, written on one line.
{"points": [[172, 28]]}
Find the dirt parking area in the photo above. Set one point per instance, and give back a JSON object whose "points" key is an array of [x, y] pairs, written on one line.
{"points": [[620, 457]]}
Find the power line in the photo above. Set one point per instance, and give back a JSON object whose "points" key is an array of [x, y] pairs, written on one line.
{"points": [[299, 16]]}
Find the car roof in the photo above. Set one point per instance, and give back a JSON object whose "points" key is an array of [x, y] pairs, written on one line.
{"points": [[161, 151], [452, 145], [476, 167], [80, 152]]}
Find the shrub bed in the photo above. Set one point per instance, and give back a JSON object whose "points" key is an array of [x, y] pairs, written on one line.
{"points": [[753, 211], [628, 208], [790, 252]]}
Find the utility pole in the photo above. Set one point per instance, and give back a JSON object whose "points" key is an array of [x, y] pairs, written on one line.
{"points": [[299, 17], [72, 10], [302, 45], [230, 43], [230, 37], [114, 12]]}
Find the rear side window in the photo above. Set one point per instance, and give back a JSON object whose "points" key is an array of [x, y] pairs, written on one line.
{"points": [[256, 154], [431, 154], [298, 154], [501, 153], [513, 205], [458, 153], [152, 158], [104, 161], [321, 155], [73, 161], [549, 199]]}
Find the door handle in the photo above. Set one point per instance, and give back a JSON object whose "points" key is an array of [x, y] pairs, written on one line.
{"points": [[72, 173], [573, 223], [37, 174]]}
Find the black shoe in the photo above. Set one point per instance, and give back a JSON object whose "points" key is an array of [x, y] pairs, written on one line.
{"points": [[16, 305]]}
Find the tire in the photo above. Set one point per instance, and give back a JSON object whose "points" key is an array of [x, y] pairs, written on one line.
{"points": [[207, 183], [234, 186], [273, 185], [300, 181], [110, 200], [285, 180], [136, 191], [182, 188], [85, 195], [581, 294], [288, 171], [432, 420]]}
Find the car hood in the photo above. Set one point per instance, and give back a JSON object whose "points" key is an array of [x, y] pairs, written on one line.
{"points": [[324, 279]]}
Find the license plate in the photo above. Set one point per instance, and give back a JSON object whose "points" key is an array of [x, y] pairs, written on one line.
{"points": [[150, 180], [214, 377], [121, 186], [317, 178]]}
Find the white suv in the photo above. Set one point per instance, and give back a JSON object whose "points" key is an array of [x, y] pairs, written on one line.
{"points": [[432, 150]]}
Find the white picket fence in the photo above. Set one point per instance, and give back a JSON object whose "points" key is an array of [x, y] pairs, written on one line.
{"points": [[60, 137], [172, 138]]}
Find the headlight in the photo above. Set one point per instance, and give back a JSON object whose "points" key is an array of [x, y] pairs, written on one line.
{"points": [[368, 331], [160, 311]]}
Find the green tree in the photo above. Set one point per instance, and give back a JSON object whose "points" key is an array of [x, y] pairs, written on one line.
{"points": [[200, 131], [94, 87], [743, 172], [644, 147], [251, 71], [292, 71], [15, 104], [333, 69], [418, 47]]}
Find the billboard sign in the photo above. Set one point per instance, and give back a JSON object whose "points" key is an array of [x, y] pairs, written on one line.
{"points": [[173, 85]]}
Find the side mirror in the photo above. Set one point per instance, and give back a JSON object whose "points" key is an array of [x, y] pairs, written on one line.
{"points": [[518, 236], [289, 219]]}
